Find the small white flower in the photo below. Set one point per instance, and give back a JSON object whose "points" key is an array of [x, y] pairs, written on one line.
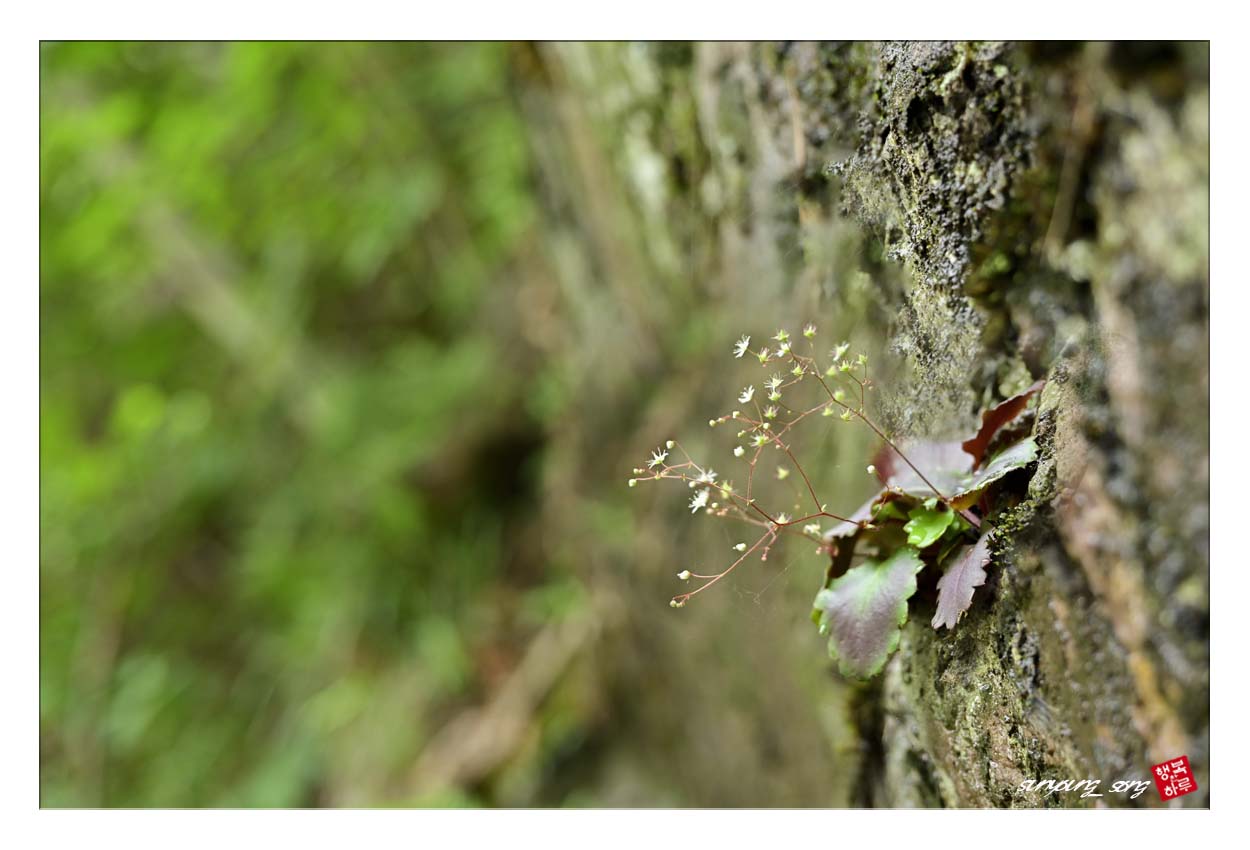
{"points": [[706, 477], [773, 383], [684, 575], [783, 518], [781, 336], [669, 444], [783, 348], [747, 395], [840, 352], [809, 330], [811, 528], [759, 440], [739, 451], [633, 482], [657, 458], [872, 470], [740, 347], [770, 412], [741, 547], [797, 371], [763, 355], [699, 501], [782, 473]]}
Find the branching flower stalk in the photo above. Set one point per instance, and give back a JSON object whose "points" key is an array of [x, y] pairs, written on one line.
{"points": [[771, 424]]}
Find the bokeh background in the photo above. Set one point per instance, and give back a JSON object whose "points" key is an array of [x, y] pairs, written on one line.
{"points": [[346, 354]]}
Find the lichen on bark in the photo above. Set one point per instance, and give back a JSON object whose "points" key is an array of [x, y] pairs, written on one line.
{"points": [[1049, 211]]}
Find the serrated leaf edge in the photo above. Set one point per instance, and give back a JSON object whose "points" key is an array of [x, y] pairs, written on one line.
{"points": [[900, 621], [986, 559], [907, 527]]}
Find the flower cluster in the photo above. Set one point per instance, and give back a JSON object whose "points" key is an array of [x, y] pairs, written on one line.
{"points": [[761, 426]]}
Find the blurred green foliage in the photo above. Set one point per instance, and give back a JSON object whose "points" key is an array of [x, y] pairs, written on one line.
{"points": [[261, 265], [346, 353]]}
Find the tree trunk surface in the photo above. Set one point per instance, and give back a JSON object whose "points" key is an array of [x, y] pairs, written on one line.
{"points": [[1003, 213]]}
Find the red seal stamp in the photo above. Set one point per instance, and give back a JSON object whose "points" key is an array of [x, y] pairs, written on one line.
{"points": [[1174, 779]]}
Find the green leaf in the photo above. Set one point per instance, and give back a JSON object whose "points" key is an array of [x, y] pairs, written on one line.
{"points": [[955, 587], [926, 525], [887, 511], [1013, 457], [863, 610]]}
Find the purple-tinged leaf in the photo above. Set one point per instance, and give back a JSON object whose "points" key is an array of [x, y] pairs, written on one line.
{"points": [[962, 577], [948, 467], [995, 418], [863, 610], [945, 465]]}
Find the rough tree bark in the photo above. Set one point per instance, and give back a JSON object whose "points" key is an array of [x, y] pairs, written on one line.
{"points": [[1009, 212], [1051, 212]]}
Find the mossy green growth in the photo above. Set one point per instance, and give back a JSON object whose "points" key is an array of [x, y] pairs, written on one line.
{"points": [[943, 145]]}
